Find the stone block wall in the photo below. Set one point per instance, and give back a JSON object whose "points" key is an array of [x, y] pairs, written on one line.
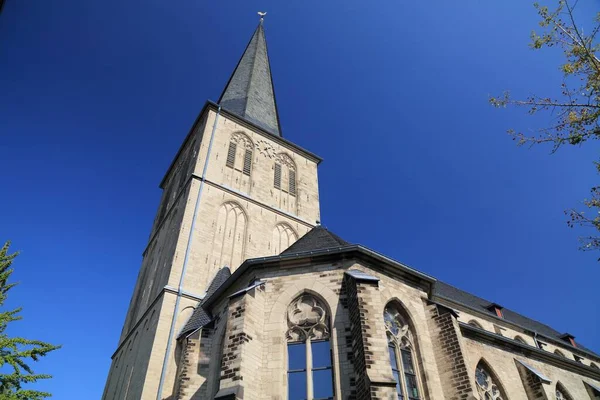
{"points": [[372, 373], [453, 370]]}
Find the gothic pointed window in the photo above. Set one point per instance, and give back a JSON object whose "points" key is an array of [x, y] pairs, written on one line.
{"points": [[401, 351], [487, 385], [520, 339], [285, 174], [561, 392], [310, 370], [239, 162]]}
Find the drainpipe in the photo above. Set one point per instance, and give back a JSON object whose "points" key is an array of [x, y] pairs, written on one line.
{"points": [[185, 261]]}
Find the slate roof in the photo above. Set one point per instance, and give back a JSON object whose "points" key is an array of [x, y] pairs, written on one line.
{"points": [[452, 293], [201, 317], [318, 238], [249, 93]]}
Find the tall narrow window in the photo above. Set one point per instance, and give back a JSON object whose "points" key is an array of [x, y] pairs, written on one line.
{"points": [[310, 371], [231, 155], [247, 162], [401, 351], [277, 177], [292, 182]]}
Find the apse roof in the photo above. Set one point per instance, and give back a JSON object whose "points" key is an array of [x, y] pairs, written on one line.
{"points": [[201, 317], [320, 239]]}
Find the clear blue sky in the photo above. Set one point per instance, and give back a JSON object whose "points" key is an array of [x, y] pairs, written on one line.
{"points": [[97, 96]]}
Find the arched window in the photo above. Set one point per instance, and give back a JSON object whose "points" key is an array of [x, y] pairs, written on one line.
{"points": [[475, 324], [310, 373], [230, 236], [283, 237], [239, 153], [561, 392], [238, 163], [594, 366], [520, 339], [559, 353], [402, 353], [487, 385], [285, 174]]}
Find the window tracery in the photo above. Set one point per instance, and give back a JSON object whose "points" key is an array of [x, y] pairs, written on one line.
{"points": [[285, 174], [310, 370], [283, 237], [487, 387], [306, 319], [561, 392], [402, 353], [239, 153]]}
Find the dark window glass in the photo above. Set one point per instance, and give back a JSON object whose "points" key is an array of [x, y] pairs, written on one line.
{"points": [[407, 362], [322, 384], [398, 386], [297, 386], [411, 386], [395, 371], [297, 357], [231, 155], [321, 355], [393, 357]]}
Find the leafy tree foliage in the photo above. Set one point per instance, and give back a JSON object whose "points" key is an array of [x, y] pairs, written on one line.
{"points": [[576, 112], [15, 352]]}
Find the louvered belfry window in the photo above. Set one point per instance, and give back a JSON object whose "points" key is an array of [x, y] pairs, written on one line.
{"points": [[247, 162], [231, 155], [292, 182], [277, 180]]}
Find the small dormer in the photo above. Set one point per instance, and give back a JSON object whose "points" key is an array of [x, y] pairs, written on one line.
{"points": [[567, 337], [496, 309]]}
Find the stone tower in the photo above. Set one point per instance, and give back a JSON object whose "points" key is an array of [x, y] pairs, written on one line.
{"points": [[235, 190]]}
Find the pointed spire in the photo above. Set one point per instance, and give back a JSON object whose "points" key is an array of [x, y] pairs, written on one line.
{"points": [[249, 92]]}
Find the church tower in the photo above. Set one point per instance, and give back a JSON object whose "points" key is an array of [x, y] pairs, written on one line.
{"points": [[235, 190]]}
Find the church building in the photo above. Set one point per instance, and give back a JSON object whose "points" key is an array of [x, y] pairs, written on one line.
{"points": [[242, 294]]}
